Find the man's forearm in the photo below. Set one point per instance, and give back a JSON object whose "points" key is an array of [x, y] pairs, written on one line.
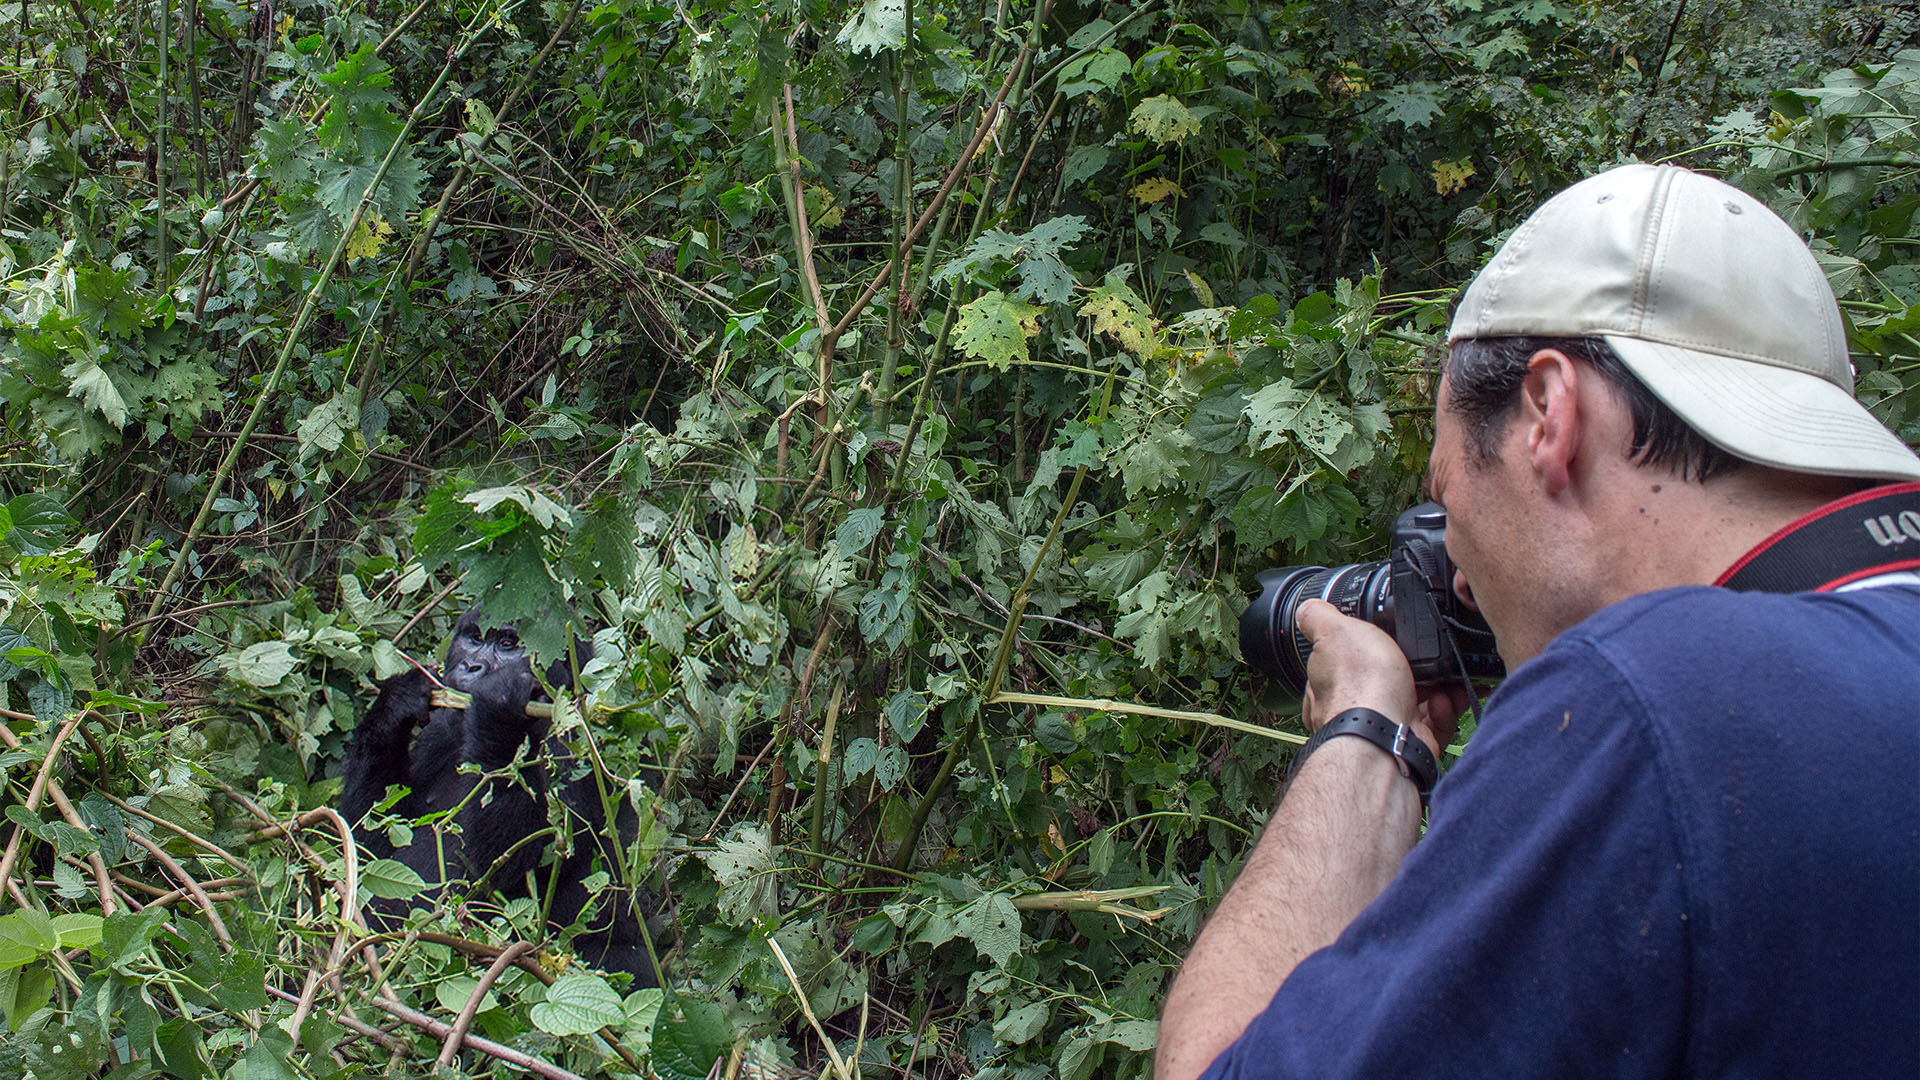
{"points": [[1333, 843]]}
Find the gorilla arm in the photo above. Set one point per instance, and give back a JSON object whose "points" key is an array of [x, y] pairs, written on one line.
{"points": [[380, 751]]}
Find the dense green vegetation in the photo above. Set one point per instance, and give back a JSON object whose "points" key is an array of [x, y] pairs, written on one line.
{"points": [[901, 393]]}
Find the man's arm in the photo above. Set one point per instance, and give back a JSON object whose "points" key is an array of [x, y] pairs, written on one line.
{"points": [[1347, 821], [1331, 846]]}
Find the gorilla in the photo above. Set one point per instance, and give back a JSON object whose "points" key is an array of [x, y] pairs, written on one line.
{"points": [[502, 832]]}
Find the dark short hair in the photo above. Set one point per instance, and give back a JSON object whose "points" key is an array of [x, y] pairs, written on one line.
{"points": [[1483, 384]]}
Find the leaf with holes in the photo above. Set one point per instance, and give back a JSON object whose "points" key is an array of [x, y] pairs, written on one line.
{"points": [[878, 26], [1163, 119], [995, 327], [992, 923]]}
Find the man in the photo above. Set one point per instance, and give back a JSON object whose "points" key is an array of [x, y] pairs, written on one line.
{"points": [[1686, 837]]}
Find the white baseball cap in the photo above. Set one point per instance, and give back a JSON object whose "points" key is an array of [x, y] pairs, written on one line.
{"points": [[1709, 298]]}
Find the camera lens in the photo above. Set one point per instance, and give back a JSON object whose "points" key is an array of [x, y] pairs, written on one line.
{"points": [[1271, 640]]}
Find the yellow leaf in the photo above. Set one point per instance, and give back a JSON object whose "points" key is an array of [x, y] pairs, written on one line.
{"points": [[822, 211], [1159, 187], [1451, 176], [1200, 288], [368, 238]]}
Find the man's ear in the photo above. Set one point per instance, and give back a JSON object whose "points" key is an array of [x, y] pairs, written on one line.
{"points": [[1551, 417]]}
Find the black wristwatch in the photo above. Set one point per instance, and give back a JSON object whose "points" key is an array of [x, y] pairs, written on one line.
{"points": [[1415, 760]]}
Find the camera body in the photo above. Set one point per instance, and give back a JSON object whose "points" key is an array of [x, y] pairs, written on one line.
{"points": [[1409, 595]]}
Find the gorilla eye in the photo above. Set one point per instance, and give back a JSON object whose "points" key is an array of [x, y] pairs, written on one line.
{"points": [[508, 639]]}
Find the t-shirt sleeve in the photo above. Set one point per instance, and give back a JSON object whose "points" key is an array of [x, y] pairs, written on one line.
{"points": [[1540, 926]]}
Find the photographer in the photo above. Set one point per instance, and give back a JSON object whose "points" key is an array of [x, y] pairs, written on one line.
{"points": [[1686, 837]]}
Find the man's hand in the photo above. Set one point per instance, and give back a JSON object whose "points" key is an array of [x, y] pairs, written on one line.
{"points": [[1356, 665]]}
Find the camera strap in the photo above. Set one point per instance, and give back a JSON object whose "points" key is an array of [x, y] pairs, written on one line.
{"points": [[1872, 532]]}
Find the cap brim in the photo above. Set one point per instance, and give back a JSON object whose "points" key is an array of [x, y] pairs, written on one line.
{"points": [[1771, 415]]}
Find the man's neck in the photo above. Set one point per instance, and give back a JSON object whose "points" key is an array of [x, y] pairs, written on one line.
{"points": [[1677, 532]]}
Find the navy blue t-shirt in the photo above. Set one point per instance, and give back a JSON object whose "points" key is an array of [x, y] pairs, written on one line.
{"points": [[1685, 840]]}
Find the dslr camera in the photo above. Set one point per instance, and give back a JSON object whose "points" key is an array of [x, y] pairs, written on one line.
{"points": [[1409, 595]]}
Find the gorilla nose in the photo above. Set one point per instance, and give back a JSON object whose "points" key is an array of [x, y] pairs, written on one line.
{"points": [[473, 669]]}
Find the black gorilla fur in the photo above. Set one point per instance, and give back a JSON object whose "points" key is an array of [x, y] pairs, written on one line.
{"points": [[496, 672]]}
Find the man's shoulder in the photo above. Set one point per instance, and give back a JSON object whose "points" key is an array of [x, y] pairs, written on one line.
{"points": [[1669, 654], [1722, 623]]}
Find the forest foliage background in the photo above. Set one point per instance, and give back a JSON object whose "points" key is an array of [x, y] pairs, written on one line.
{"points": [[902, 394]]}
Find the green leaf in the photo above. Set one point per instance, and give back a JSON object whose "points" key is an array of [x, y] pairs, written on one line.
{"points": [[995, 327], [1079, 1056], [578, 1003], [1163, 119], [23, 992], [326, 427], [689, 1039], [286, 152], [89, 382], [992, 923], [907, 713], [1135, 1035], [109, 825], [78, 930], [40, 523], [391, 879], [743, 866], [1412, 104], [1281, 411], [877, 26], [25, 936], [266, 1058], [858, 530], [181, 1049], [1083, 164], [1021, 1024], [125, 936], [1035, 255], [1152, 461], [263, 664]]}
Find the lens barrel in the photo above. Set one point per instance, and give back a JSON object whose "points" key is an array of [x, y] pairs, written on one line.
{"points": [[1270, 638]]}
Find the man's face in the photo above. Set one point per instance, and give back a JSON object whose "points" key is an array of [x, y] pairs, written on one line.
{"points": [[1485, 534]]}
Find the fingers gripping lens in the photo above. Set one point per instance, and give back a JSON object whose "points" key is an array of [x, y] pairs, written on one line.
{"points": [[1442, 638], [1270, 636]]}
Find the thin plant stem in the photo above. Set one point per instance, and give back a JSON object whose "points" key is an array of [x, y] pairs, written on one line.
{"points": [[217, 488]]}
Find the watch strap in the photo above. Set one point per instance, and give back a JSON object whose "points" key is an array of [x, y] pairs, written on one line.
{"points": [[1398, 740]]}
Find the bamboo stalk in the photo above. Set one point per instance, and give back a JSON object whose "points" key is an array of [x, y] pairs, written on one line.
{"points": [[1107, 705], [162, 269], [800, 995], [822, 766], [1104, 901], [448, 698]]}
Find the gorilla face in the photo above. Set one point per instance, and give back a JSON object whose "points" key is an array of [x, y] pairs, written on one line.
{"points": [[492, 665], [473, 656]]}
